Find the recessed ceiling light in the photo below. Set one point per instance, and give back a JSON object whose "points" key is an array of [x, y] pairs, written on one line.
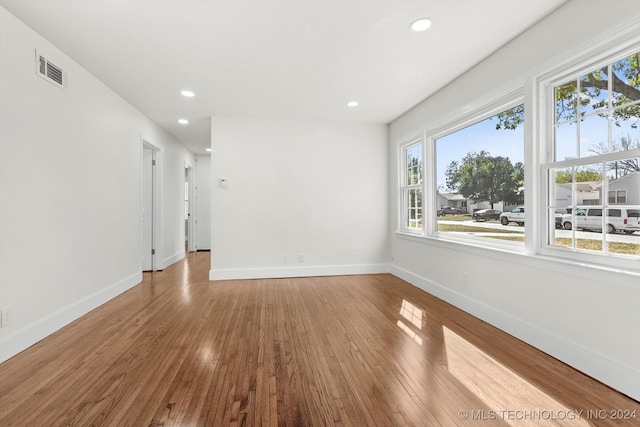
{"points": [[183, 121], [420, 24], [187, 93], [353, 104], [207, 149]]}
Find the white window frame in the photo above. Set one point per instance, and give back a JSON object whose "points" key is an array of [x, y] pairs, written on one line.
{"points": [[606, 53], [482, 111], [503, 101], [404, 186]]}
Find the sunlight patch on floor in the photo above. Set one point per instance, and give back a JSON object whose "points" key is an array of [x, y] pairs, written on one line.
{"points": [[510, 397]]}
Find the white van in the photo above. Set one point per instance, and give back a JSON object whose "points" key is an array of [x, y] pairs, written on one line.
{"points": [[619, 218]]}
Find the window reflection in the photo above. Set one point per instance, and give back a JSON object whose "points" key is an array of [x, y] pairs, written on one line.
{"points": [[412, 313], [407, 330], [416, 318]]}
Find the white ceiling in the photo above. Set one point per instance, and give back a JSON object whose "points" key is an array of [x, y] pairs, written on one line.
{"points": [[282, 59]]}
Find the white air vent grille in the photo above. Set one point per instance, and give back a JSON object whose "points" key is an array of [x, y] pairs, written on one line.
{"points": [[50, 72]]}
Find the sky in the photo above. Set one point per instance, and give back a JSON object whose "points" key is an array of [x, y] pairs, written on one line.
{"points": [[510, 143], [475, 138]]}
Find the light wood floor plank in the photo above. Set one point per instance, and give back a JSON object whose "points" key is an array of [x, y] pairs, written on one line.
{"points": [[369, 350]]}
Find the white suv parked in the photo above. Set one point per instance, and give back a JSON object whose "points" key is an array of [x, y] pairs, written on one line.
{"points": [[619, 218], [516, 215]]}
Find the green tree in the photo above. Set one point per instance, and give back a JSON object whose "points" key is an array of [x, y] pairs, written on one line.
{"points": [[571, 103], [482, 177]]}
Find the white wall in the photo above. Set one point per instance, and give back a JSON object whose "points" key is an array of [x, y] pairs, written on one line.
{"points": [[174, 157], [312, 188], [585, 317], [70, 185], [203, 202]]}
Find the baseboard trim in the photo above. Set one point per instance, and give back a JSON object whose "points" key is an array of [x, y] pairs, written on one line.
{"points": [[25, 338], [620, 377], [280, 272], [172, 259]]}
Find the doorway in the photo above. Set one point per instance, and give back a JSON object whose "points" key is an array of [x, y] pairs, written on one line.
{"points": [[190, 244], [149, 206]]}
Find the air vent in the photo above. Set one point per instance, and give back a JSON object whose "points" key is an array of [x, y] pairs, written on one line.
{"points": [[51, 72]]}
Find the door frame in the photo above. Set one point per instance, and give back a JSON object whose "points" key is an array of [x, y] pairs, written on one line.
{"points": [[156, 229], [191, 236]]}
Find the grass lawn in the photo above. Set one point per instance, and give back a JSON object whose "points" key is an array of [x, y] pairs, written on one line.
{"points": [[585, 244], [596, 245], [461, 217], [473, 229], [514, 236]]}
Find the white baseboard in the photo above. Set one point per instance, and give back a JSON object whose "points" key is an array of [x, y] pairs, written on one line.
{"points": [[620, 377], [25, 338], [172, 259], [280, 272]]}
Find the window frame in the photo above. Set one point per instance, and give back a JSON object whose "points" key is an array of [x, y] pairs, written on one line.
{"points": [[544, 96], [537, 137], [503, 101], [405, 186]]}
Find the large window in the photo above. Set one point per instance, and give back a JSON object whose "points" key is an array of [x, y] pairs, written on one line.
{"points": [[593, 160], [480, 175], [475, 170], [412, 181], [580, 152]]}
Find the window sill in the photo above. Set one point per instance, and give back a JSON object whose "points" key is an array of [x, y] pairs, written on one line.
{"points": [[508, 253]]}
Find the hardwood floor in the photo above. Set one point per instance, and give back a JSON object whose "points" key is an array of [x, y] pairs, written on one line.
{"points": [[371, 350]]}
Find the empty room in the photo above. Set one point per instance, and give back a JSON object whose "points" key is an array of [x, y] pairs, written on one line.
{"points": [[320, 212]]}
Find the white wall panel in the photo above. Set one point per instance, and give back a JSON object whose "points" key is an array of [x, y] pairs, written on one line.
{"points": [[70, 186], [312, 188], [203, 203]]}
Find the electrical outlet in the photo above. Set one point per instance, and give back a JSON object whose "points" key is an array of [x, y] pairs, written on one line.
{"points": [[465, 281], [300, 257], [285, 259], [6, 316]]}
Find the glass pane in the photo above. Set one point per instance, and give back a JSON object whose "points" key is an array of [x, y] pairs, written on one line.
{"points": [[623, 226], [588, 178], [479, 170], [566, 98], [565, 141], [624, 175], [414, 164], [626, 81], [560, 207], [560, 182], [602, 199], [625, 130], [557, 235], [594, 92], [594, 135], [413, 208], [412, 175]]}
